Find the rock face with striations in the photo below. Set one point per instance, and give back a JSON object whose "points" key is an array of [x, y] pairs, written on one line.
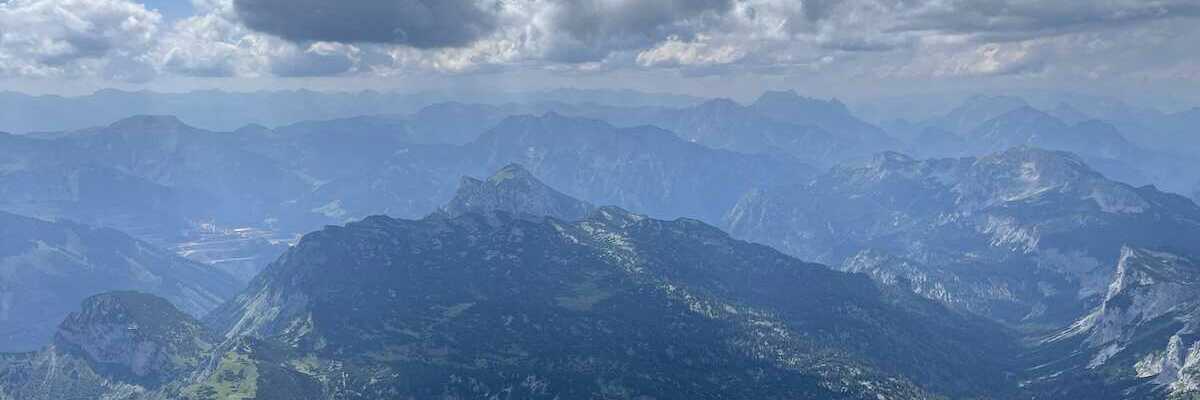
{"points": [[134, 336], [1143, 339], [120, 345]]}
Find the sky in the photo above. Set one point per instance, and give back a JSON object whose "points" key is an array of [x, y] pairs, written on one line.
{"points": [[733, 48]]}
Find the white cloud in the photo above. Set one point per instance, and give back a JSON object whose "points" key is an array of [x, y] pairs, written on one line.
{"points": [[675, 52], [57, 38]]}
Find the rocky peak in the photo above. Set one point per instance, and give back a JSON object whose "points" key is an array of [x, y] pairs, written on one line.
{"points": [[1143, 269], [512, 173], [150, 124], [1145, 328], [780, 100], [515, 190], [134, 336], [976, 110], [720, 104]]}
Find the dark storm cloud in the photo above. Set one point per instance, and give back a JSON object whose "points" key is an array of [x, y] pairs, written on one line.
{"points": [[589, 30], [417, 23], [78, 45], [1024, 19], [311, 63]]}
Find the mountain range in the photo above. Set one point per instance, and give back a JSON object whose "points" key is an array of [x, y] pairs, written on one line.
{"points": [[1026, 236], [46, 269], [1019, 252], [487, 302], [175, 184]]}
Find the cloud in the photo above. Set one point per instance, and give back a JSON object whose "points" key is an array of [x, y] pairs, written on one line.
{"points": [[675, 52], [56, 38], [122, 40], [1024, 19], [319, 59], [209, 45], [589, 30], [416, 23]]}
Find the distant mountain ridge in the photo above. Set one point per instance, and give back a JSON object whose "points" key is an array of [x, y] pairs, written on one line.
{"points": [[176, 185], [227, 111], [1002, 228], [47, 268]]}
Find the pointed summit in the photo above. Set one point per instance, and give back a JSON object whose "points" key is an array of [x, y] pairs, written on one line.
{"points": [[512, 171], [780, 101], [977, 110], [151, 124], [515, 190]]}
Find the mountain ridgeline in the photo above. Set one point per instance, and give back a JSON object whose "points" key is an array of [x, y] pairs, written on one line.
{"points": [[780, 248], [503, 300]]}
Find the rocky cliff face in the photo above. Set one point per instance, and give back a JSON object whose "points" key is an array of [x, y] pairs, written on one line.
{"points": [[119, 345], [134, 337], [1143, 337], [514, 190]]}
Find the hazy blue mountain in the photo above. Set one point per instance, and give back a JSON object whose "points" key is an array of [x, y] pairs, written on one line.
{"points": [[47, 268], [356, 173], [455, 123], [1069, 114], [987, 124], [937, 142], [976, 110], [1025, 236], [1141, 339], [227, 111], [815, 131], [222, 180], [161, 181], [831, 115], [1174, 132], [183, 184], [725, 124], [1100, 143], [1027, 126], [375, 125], [641, 168], [43, 179]]}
